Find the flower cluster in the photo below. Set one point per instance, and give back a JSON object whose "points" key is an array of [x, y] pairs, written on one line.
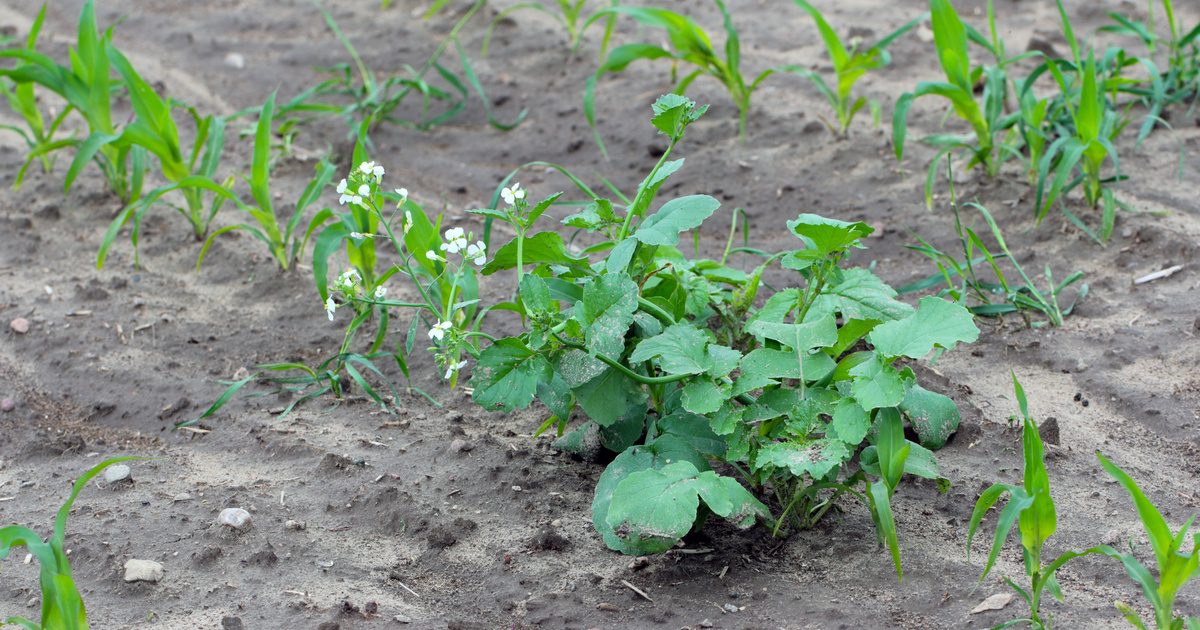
{"points": [[457, 241], [350, 285], [359, 186]]}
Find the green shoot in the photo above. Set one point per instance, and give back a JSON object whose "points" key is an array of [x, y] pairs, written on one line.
{"points": [[570, 15], [62, 606], [849, 65], [1175, 567]]}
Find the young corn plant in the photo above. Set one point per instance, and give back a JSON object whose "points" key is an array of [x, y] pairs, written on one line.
{"points": [[570, 14], [1031, 507], [1085, 142], [266, 227], [38, 134], [690, 47], [1175, 567], [1180, 81], [986, 116], [375, 101], [87, 87], [192, 174], [850, 63], [62, 606], [995, 296]]}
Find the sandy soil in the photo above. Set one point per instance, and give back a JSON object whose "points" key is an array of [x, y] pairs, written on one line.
{"points": [[443, 537]]}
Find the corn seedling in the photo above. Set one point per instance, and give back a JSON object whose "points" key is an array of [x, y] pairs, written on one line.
{"points": [[62, 606], [1032, 508], [1181, 80], [986, 116], [570, 14], [266, 227], [375, 101], [849, 65], [690, 47], [965, 283], [87, 87], [1175, 567], [38, 134]]}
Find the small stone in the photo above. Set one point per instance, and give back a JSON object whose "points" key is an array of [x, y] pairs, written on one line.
{"points": [[730, 608], [19, 325], [296, 526], [516, 488], [1111, 537], [232, 623], [8, 404], [182, 496], [995, 602], [117, 473], [236, 518], [706, 624], [459, 445], [607, 607], [235, 60], [143, 571], [402, 619]]}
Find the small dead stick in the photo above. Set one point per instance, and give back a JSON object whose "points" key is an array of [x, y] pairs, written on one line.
{"points": [[1158, 275], [637, 590], [405, 587]]}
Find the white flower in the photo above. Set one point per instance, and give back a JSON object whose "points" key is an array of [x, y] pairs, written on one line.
{"points": [[511, 195], [432, 255], [439, 330], [403, 192], [456, 241], [371, 168], [354, 199], [364, 190], [380, 292], [341, 188], [454, 368], [348, 281], [330, 307], [477, 251], [408, 221]]}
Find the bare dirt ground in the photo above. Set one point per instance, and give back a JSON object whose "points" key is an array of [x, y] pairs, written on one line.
{"points": [[496, 533]]}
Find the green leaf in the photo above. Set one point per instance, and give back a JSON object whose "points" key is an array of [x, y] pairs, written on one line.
{"points": [[680, 349], [828, 236], [819, 333], [606, 313], [937, 323], [606, 398], [541, 248], [817, 458], [675, 216], [727, 419], [674, 112], [651, 510], [877, 385], [693, 429], [933, 416], [850, 422], [636, 458], [507, 375], [535, 295], [861, 295], [704, 396]]}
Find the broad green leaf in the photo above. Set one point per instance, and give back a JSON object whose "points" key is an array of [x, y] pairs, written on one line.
{"points": [[578, 367], [817, 458], [727, 419], [721, 360], [535, 295], [541, 248], [651, 510], [828, 236], [627, 430], [876, 385], [937, 323], [819, 333], [933, 416], [767, 363], [674, 112], [507, 375], [606, 313], [680, 349], [606, 398], [703, 396], [555, 394], [850, 422], [675, 216], [693, 429], [860, 294]]}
